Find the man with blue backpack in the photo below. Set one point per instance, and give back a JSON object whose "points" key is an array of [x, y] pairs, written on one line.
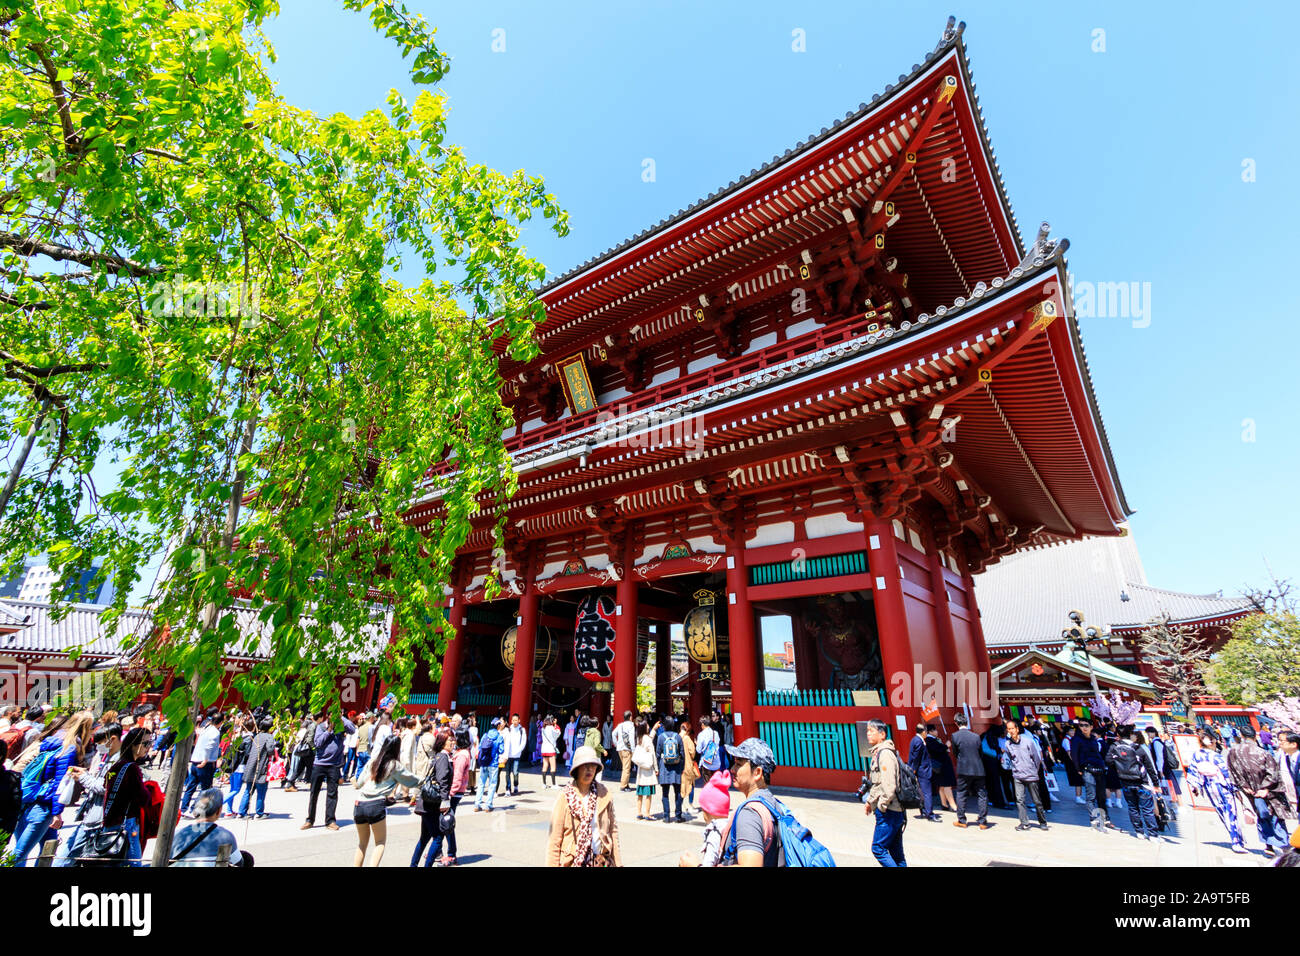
{"points": [[490, 750], [762, 832]]}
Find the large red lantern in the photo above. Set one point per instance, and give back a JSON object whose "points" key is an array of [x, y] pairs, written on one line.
{"points": [[594, 638]]}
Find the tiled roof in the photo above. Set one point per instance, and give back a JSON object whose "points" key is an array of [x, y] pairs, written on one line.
{"points": [[84, 628], [1048, 257], [1073, 659], [1027, 596]]}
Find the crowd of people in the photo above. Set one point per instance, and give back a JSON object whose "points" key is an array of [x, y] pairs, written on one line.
{"points": [[1245, 776], [81, 781], [85, 781]]}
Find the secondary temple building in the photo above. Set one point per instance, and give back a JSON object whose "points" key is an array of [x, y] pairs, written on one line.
{"points": [[832, 392]]}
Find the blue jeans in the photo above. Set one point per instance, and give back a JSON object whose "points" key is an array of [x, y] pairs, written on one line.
{"points": [[887, 843], [1141, 810], [1272, 831], [487, 785], [249, 787], [236, 778], [198, 780], [362, 760], [349, 762], [450, 835], [33, 821], [71, 849]]}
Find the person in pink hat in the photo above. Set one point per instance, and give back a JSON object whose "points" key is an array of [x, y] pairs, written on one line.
{"points": [[715, 803]]}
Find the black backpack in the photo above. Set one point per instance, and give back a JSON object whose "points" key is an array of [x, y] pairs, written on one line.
{"points": [[909, 787], [1127, 762], [11, 800]]}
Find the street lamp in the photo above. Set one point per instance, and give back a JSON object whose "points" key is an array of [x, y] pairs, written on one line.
{"points": [[1080, 635]]}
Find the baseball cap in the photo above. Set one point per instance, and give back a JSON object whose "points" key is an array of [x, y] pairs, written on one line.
{"points": [[756, 752]]}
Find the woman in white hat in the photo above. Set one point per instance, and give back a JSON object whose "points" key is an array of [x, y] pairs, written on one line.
{"points": [[583, 829]]}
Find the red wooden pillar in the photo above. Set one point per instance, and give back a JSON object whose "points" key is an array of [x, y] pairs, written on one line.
{"points": [[985, 677], [449, 684], [625, 636], [663, 669], [600, 706], [521, 687], [695, 706], [891, 621], [942, 612], [744, 653]]}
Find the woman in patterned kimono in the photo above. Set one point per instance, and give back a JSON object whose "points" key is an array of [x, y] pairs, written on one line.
{"points": [[1208, 773]]}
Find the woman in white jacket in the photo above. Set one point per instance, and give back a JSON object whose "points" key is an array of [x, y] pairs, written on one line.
{"points": [[647, 767]]}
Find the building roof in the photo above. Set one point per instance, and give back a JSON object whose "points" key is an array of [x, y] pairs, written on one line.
{"points": [[1073, 660], [85, 629], [951, 235], [1026, 597]]}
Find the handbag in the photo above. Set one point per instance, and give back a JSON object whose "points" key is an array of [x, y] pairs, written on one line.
{"points": [[429, 786], [111, 843]]}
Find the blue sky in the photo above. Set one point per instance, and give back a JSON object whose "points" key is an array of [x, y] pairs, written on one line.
{"points": [[1135, 153]]}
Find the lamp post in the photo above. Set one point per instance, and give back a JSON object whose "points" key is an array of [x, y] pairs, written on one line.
{"points": [[1079, 636]]}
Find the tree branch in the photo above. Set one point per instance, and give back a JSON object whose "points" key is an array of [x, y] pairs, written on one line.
{"points": [[116, 264]]}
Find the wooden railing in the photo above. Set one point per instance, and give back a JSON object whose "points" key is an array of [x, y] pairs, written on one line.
{"points": [[820, 746]]}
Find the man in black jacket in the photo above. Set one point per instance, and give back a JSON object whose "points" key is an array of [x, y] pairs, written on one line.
{"points": [[1085, 749], [255, 774], [327, 768], [1138, 778], [970, 773]]}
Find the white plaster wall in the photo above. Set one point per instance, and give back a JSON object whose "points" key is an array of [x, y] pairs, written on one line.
{"points": [[705, 544], [824, 526], [780, 533], [799, 328]]}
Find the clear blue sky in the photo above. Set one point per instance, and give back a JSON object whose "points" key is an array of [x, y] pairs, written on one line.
{"points": [[1134, 153]]}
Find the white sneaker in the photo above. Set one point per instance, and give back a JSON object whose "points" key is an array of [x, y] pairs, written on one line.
{"points": [[1079, 800]]}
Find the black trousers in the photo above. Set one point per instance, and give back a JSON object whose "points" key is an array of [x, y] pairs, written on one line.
{"points": [[330, 777], [966, 786], [993, 779]]}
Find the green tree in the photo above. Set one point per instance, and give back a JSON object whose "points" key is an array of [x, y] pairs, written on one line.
{"points": [[1261, 662], [197, 285]]}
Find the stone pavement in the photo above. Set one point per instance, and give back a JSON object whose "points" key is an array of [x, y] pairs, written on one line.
{"points": [[515, 834]]}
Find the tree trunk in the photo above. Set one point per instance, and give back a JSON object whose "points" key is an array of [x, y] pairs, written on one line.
{"points": [[185, 745], [12, 481]]}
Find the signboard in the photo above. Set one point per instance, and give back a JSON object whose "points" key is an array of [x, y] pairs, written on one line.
{"points": [[700, 633], [577, 386], [594, 638], [543, 649], [930, 711]]}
